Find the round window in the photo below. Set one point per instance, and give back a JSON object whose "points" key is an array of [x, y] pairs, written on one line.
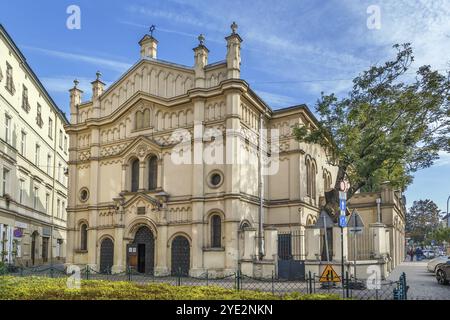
{"points": [[84, 194], [215, 179]]}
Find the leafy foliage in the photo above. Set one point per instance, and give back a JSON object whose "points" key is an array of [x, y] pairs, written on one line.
{"points": [[33, 288], [422, 218], [387, 127], [440, 235]]}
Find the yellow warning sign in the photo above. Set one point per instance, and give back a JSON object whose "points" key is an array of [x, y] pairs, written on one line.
{"points": [[329, 275]]}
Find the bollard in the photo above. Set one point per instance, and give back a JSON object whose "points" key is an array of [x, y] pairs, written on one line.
{"points": [[347, 292]]}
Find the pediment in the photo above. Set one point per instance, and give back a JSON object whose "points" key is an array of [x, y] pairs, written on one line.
{"points": [[140, 148], [150, 76], [140, 199]]}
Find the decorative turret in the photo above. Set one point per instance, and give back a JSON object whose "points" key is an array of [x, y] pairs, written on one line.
{"points": [[97, 86], [234, 53], [148, 45], [200, 61], [75, 100]]}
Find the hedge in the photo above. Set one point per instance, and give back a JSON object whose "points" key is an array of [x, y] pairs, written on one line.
{"points": [[40, 288]]}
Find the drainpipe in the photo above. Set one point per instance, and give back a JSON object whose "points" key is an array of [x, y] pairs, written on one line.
{"points": [[261, 192]]}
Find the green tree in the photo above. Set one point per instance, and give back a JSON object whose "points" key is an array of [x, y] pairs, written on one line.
{"points": [[387, 127], [422, 219], [440, 235]]}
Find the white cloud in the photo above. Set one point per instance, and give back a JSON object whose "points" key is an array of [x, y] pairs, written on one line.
{"points": [[98, 62], [276, 100], [62, 84]]}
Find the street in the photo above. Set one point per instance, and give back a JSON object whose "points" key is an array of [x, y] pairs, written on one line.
{"points": [[422, 284]]}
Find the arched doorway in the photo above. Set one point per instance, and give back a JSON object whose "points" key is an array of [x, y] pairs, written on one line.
{"points": [[106, 255], [34, 238], [144, 245], [180, 256]]}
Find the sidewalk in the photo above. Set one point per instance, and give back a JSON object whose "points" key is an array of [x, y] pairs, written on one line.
{"points": [[422, 284]]}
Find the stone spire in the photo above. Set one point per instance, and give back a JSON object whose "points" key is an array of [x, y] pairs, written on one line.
{"points": [[234, 53], [75, 101], [200, 61], [149, 45]]}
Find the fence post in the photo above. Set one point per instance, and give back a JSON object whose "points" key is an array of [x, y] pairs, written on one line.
{"points": [[87, 272], [314, 282], [273, 284], [346, 285], [129, 273], [405, 287], [51, 272], [21, 271], [179, 277], [207, 278]]}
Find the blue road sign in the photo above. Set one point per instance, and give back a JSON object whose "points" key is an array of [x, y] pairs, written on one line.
{"points": [[342, 221], [342, 204]]}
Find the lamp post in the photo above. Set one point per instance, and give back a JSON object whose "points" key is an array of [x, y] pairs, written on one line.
{"points": [[448, 214]]}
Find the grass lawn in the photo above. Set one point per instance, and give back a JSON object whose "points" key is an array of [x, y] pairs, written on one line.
{"points": [[40, 288]]}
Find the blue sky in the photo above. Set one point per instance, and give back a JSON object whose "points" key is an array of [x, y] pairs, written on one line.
{"points": [[292, 50]]}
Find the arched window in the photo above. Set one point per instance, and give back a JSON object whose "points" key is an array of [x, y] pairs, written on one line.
{"points": [[139, 118], [152, 172], [135, 175], [83, 237], [308, 177], [146, 120], [313, 179], [216, 232]]}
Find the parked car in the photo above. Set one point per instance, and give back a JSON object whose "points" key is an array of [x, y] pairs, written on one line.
{"points": [[443, 273], [428, 254], [432, 264]]}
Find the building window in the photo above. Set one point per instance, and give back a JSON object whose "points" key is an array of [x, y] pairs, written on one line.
{"points": [[142, 119], [152, 172], [37, 155], [311, 171], [39, 121], [7, 129], [47, 203], [135, 175], [21, 191], [327, 180], [58, 208], [59, 243], [63, 210], [84, 194], [59, 172], [215, 179], [83, 237], [9, 79], [25, 104], [216, 232], [5, 181], [49, 164], [23, 143], [50, 128], [65, 143], [60, 139], [36, 198]]}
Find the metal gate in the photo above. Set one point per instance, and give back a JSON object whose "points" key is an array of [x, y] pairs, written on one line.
{"points": [[106, 255], [180, 256], [290, 265], [144, 244]]}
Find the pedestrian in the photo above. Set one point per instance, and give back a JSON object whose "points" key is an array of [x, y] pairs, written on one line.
{"points": [[411, 253]]}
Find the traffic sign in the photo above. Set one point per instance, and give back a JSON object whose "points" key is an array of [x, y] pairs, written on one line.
{"points": [[329, 275], [324, 220], [342, 204], [342, 221]]}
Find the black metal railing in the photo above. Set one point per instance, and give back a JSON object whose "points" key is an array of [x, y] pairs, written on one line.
{"points": [[349, 288]]}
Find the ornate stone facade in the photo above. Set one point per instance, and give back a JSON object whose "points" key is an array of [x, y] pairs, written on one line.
{"points": [[194, 216]]}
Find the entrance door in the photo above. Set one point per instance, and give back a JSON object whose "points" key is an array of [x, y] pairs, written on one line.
{"points": [[106, 255], [180, 256], [44, 249], [145, 244], [141, 258]]}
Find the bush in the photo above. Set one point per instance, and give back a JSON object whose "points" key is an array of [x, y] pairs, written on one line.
{"points": [[39, 288]]}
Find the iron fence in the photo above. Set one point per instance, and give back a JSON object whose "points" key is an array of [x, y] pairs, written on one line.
{"points": [[350, 288]]}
